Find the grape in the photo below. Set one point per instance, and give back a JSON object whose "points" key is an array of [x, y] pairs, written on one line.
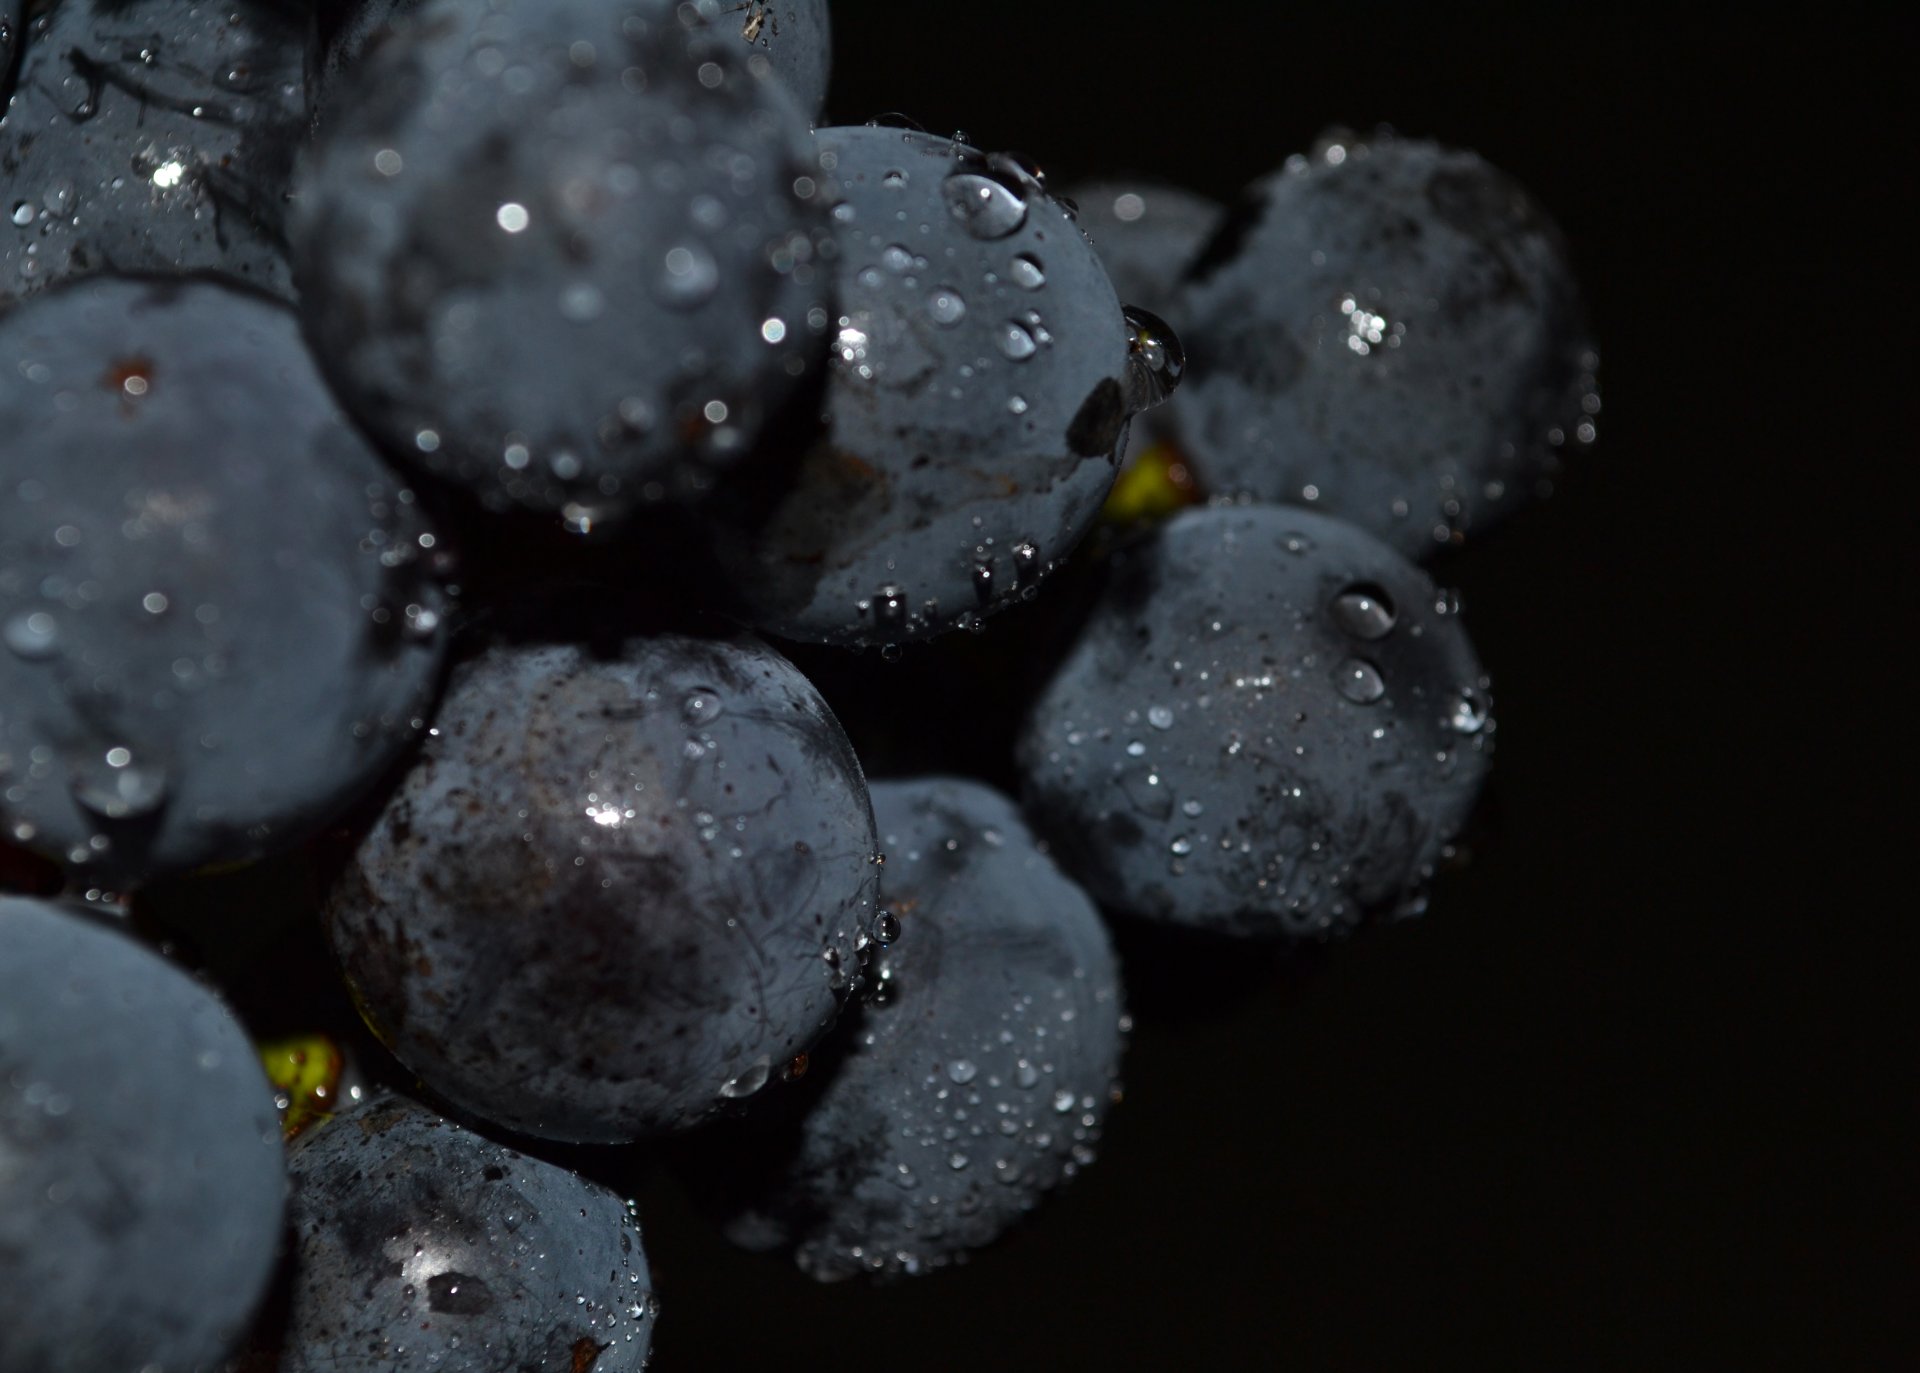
{"points": [[615, 894], [141, 1177], [976, 1078], [149, 135], [980, 382], [1389, 331], [420, 1244], [1268, 727], [560, 252], [216, 624]]}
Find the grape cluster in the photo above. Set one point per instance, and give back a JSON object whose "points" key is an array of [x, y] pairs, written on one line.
{"points": [[457, 453]]}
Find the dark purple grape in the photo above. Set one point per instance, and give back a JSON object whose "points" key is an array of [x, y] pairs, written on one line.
{"points": [[141, 1175], [560, 252], [616, 894], [149, 136], [1271, 725], [981, 380], [1389, 332], [420, 1244], [977, 1077], [216, 626]]}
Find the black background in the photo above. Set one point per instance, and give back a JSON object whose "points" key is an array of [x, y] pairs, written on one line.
{"points": [[1623, 1099]]}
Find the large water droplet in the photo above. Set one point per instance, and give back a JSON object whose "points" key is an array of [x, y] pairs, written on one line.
{"points": [[1155, 360], [984, 207], [688, 276], [22, 213], [701, 706], [1363, 611], [1026, 273], [1359, 681], [1015, 341], [748, 1082], [945, 307]]}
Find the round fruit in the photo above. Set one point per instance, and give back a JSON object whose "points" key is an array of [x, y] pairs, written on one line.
{"points": [[614, 894]]}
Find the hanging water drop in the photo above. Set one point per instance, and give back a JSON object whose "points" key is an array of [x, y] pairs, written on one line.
{"points": [[1155, 360], [748, 1082], [1466, 712]]}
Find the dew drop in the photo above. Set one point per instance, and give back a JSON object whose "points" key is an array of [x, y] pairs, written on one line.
{"points": [[1160, 717], [1026, 272], [890, 605], [22, 214], [1466, 711], [1015, 342], [886, 927], [701, 706], [1359, 681], [962, 1071], [984, 207], [1363, 611], [896, 259], [748, 1082], [945, 307], [983, 578]]}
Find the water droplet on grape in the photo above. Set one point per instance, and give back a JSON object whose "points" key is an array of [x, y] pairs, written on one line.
{"points": [[1359, 681], [985, 208], [1363, 611]]}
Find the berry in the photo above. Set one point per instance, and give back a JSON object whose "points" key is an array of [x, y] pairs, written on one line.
{"points": [[559, 252], [419, 1244], [146, 137], [976, 1078], [614, 894], [979, 387], [141, 1178], [1269, 726], [215, 626], [1390, 332]]}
